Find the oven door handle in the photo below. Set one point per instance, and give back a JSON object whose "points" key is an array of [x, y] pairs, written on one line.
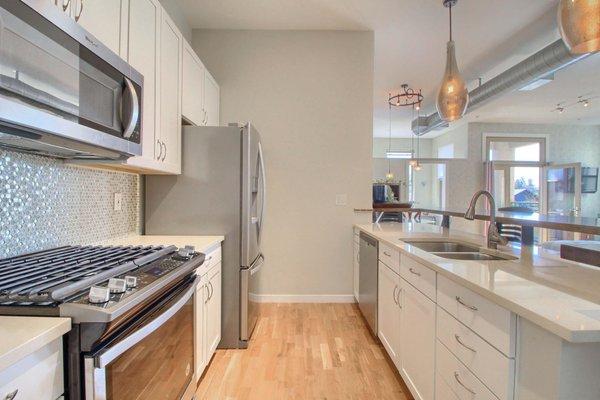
{"points": [[133, 107], [109, 355]]}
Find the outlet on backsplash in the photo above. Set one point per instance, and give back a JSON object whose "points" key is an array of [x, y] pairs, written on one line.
{"points": [[118, 202]]}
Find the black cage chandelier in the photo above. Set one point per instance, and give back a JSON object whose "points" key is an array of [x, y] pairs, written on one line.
{"points": [[408, 97]]}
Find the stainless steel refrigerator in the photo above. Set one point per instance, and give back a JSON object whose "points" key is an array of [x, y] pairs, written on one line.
{"points": [[221, 191]]}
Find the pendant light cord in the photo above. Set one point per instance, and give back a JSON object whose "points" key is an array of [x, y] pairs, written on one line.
{"points": [[390, 141], [450, 13]]}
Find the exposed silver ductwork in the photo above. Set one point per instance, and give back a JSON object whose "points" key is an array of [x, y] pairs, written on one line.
{"points": [[547, 61]]}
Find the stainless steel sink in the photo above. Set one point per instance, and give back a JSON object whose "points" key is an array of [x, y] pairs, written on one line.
{"points": [[473, 256], [442, 247]]}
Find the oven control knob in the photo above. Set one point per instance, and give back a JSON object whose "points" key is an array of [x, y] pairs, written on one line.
{"points": [[117, 285], [99, 294], [185, 253], [131, 281]]}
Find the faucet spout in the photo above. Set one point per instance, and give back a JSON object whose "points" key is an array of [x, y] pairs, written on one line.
{"points": [[493, 236]]}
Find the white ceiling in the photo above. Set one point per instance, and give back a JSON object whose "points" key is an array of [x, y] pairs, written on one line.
{"points": [[410, 39]]}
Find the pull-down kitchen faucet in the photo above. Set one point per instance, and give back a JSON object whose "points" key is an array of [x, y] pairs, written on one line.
{"points": [[493, 236]]}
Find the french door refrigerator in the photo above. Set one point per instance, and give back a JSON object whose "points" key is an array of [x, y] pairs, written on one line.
{"points": [[221, 191]]}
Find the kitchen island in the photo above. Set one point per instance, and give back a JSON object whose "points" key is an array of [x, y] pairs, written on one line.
{"points": [[527, 328]]}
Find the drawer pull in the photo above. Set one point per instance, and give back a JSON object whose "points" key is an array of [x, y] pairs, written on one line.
{"points": [[387, 254], [459, 340], [11, 395], [461, 302], [394, 295], [468, 389], [412, 271]]}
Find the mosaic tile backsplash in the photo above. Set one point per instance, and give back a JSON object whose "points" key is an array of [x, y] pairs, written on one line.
{"points": [[46, 203]]}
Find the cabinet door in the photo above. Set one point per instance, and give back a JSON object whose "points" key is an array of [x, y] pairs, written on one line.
{"points": [[64, 5], [143, 50], [213, 313], [388, 318], [105, 19], [212, 97], [418, 342], [199, 333], [171, 42], [192, 108]]}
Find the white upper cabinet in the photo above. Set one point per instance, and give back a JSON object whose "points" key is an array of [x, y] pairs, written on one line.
{"points": [[144, 39], [193, 87], [212, 98], [105, 19], [171, 47]]}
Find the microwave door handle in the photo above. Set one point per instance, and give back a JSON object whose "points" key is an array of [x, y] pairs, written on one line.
{"points": [[263, 188], [102, 360], [133, 106]]}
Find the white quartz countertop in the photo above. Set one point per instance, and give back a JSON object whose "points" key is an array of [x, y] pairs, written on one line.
{"points": [[561, 296], [21, 336], [201, 243]]}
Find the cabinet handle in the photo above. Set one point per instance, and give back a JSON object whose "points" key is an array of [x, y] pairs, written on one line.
{"points": [[459, 340], [212, 290], [66, 5], [207, 294], [399, 292], [394, 294], [80, 11], [468, 389], [412, 271], [387, 254], [165, 155], [461, 302], [160, 150]]}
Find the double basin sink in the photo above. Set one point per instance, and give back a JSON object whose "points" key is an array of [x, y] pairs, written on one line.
{"points": [[456, 251]]}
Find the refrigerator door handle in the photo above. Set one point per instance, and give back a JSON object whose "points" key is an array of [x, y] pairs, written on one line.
{"points": [[264, 190]]}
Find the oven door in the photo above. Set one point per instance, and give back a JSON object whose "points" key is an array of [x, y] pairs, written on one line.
{"points": [[151, 362]]}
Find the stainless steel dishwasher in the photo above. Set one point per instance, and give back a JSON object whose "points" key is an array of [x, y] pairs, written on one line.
{"points": [[367, 286]]}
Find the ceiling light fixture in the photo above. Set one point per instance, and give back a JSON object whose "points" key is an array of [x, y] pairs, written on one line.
{"points": [[579, 25], [453, 96], [406, 98]]}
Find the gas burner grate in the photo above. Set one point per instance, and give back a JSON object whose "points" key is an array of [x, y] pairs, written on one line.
{"points": [[55, 274]]}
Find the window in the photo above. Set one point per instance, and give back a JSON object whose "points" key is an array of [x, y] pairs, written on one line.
{"points": [[519, 149]]}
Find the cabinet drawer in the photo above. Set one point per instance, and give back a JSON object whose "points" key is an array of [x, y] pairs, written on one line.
{"points": [[442, 390], [419, 276], [390, 257], [460, 380], [493, 323], [38, 376], [213, 258], [493, 368]]}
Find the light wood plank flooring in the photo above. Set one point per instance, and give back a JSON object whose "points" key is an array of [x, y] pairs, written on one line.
{"points": [[305, 351]]}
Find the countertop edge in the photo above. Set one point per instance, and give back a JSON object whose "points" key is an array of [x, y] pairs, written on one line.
{"points": [[587, 336], [41, 339]]}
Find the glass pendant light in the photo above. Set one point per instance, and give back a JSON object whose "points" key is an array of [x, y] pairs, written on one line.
{"points": [[453, 96], [579, 24], [389, 176]]}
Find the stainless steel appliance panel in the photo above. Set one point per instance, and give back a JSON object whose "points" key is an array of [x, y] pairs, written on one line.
{"points": [[62, 92], [205, 200], [368, 279], [154, 361], [248, 302]]}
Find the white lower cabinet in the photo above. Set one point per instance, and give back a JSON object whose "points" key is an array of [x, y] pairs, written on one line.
{"points": [[38, 376], [417, 339], [388, 308], [207, 312]]}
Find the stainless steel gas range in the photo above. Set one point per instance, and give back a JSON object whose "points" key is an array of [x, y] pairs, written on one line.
{"points": [[132, 314]]}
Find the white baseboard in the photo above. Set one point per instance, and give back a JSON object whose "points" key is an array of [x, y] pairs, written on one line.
{"points": [[302, 298]]}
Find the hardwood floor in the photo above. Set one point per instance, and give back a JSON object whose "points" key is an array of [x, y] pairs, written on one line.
{"points": [[305, 351]]}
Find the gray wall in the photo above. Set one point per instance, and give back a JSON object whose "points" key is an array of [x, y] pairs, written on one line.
{"points": [[45, 203], [178, 16], [310, 94]]}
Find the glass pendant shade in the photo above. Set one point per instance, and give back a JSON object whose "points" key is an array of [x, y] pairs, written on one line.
{"points": [[453, 96], [579, 24], [389, 177]]}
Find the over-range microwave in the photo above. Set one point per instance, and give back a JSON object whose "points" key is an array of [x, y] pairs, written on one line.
{"points": [[62, 92]]}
